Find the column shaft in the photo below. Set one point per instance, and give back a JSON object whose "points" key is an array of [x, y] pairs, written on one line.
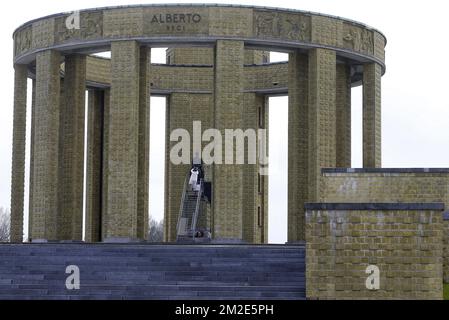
{"points": [[94, 166], [144, 143], [253, 196], [343, 117], [71, 144], [298, 144], [372, 126], [322, 115], [18, 152], [123, 142], [32, 135], [46, 143], [105, 164], [228, 191]]}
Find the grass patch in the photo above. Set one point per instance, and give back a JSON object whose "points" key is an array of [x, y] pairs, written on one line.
{"points": [[446, 291]]}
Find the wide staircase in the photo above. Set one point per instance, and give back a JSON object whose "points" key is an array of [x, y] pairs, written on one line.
{"points": [[146, 271]]}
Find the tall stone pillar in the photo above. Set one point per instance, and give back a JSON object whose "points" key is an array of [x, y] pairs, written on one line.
{"points": [[255, 193], [46, 147], [71, 144], [179, 115], [94, 172], [343, 116], [122, 217], [228, 187], [322, 115], [298, 144], [372, 127], [31, 183], [105, 161], [18, 152], [144, 143]]}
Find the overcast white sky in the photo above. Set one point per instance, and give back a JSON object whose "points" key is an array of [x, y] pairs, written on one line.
{"points": [[415, 107]]}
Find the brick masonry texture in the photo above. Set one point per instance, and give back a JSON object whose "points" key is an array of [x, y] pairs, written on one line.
{"points": [[406, 246], [298, 145], [94, 166], [46, 139], [343, 116], [388, 185], [123, 141], [321, 115], [71, 153], [18, 156], [372, 116], [144, 142], [446, 250], [228, 180]]}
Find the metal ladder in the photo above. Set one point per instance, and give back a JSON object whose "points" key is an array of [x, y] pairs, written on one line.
{"points": [[189, 212]]}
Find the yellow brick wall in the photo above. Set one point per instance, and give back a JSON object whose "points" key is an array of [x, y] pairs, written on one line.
{"points": [[406, 245]]}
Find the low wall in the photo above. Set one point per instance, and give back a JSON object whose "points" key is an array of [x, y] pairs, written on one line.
{"points": [[389, 185], [405, 241]]}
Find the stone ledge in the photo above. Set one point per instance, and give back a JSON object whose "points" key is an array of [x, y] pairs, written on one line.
{"points": [[384, 170], [375, 206]]}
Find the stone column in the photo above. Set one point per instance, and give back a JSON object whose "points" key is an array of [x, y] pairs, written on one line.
{"points": [[253, 196], [31, 189], [322, 115], [179, 115], [46, 147], [71, 143], [94, 172], [298, 144], [105, 162], [144, 143], [372, 127], [123, 138], [343, 117], [18, 152], [228, 191]]}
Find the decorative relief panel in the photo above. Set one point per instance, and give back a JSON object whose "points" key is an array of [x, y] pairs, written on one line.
{"points": [[43, 33], [23, 40], [91, 27], [357, 39], [270, 24]]}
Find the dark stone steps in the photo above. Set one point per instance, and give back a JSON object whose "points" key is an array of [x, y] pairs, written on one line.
{"points": [[142, 271]]}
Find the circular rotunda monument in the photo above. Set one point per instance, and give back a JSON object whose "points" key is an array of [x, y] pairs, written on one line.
{"points": [[217, 72]]}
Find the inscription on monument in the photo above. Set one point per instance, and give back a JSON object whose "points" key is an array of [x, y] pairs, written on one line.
{"points": [[176, 21]]}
